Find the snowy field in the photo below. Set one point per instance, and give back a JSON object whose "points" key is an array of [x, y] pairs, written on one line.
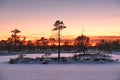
{"points": [[58, 71]]}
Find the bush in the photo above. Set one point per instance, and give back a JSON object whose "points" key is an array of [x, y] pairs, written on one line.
{"points": [[12, 61]]}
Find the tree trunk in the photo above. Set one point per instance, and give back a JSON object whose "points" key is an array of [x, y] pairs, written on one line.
{"points": [[59, 44]]}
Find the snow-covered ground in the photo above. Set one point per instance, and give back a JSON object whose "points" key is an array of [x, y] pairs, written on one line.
{"points": [[58, 71]]}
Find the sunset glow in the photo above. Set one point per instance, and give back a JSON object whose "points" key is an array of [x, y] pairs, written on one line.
{"points": [[35, 18]]}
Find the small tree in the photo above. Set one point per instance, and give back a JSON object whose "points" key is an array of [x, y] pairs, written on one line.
{"points": [[116, 45], [104, 46], [59, 25], [44, 44], [15, 37], [82, 43], [29, 45], [52, 41]]}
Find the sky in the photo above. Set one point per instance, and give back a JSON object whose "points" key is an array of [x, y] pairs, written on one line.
{"points": [[35, 18]]}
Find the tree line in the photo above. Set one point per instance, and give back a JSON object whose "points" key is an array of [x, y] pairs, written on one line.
{"points": [[81, 44]]}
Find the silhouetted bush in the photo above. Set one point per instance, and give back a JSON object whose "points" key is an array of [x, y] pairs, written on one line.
{"points": [[12, 61]]}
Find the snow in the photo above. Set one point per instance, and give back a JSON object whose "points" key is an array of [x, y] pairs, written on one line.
{"points": [[58, 71]]}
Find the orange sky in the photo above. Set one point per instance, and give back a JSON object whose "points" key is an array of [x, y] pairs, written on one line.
{"points": [[35, 18]]}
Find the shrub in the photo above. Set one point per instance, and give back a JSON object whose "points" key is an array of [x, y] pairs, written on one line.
{"points": [[12, 61]]}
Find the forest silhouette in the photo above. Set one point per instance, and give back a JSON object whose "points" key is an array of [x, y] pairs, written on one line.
{"points": [[81, 44]]}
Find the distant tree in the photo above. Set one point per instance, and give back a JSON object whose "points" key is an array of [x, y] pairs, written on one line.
{"points": [[38, 45], [29, 45], [82, 43], [15, 37], [3, 45], [52, 44], [105, 46], [10, 44], [116, 45], [23, 42], [101, 45], [52, 41], [66, 43], [44, 41], [44, 44], [59, 25], [20, 45]]}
